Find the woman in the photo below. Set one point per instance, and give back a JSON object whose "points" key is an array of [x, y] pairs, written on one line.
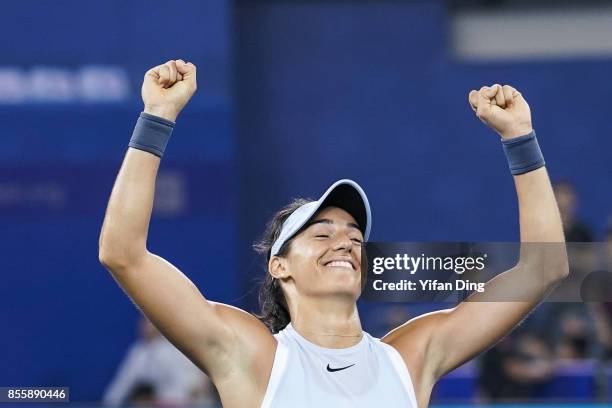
{"points": [[321, 356]]}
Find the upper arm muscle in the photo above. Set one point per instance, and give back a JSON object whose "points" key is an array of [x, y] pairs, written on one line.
{"points": [[178, 309]]}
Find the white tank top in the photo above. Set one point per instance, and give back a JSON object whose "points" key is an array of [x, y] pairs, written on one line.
{"points": [[368, 374]]}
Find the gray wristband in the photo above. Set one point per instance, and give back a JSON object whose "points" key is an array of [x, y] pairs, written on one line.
{"points": [[151, 134], [523, 154]]}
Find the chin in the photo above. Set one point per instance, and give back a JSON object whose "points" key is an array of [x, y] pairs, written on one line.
{"points": [[341, 281]]}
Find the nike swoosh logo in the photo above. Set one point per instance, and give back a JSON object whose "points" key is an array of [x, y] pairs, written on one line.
{"points": [[332, 370]]}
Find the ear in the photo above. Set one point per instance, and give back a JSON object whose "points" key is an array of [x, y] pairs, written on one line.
{"points": [[277, 267]]}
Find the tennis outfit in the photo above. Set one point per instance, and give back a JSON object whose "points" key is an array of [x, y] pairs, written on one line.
{"points": [[368, 374]]}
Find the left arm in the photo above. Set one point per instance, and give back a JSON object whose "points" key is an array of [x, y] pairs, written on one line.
{"points": [[451, 337]]}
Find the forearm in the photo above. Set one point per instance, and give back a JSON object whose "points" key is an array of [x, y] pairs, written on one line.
{"points": [[542, 239], [538, 212], [126, 223], [165, 91]]}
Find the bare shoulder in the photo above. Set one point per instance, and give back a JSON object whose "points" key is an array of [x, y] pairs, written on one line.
{"points": [[252, 357], [412, 340], [256, 345], [415, 333], [245, 324]]}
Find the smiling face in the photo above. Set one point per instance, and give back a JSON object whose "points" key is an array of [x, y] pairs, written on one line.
{"points": [[324, 258]]}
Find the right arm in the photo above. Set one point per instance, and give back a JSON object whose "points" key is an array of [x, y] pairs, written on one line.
{"points": [[212, 335]]}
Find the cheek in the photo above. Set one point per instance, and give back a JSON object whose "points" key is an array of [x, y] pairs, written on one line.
{"points": [[304, 253], [304, 263]]}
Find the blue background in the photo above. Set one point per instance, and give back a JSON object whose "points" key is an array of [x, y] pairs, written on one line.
{"points": [[292, 96]]}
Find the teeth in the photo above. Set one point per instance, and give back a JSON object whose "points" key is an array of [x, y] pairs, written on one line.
{"points": [[342, 264]]}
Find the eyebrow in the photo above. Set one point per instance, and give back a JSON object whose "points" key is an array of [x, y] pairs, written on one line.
{"points": [[328, 221]]}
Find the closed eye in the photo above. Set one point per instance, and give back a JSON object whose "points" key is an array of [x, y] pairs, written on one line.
{"points": [[357, 241], [321, 236]]}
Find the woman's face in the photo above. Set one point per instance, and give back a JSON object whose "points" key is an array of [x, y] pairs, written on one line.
{"points": [[325, 258]]}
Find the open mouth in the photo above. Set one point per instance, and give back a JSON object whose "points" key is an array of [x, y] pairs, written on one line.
{"points": [[340, 264]]}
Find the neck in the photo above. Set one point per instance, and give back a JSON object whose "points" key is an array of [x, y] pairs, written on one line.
{"points": [[327, 322]]}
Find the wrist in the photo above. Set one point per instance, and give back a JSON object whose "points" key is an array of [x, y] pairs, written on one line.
{"points": [[517, 131], [523, 153], [151, 134], [163, 112]]}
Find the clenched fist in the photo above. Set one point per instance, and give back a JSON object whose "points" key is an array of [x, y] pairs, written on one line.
{"points": [[503, 109], [167, 88]]}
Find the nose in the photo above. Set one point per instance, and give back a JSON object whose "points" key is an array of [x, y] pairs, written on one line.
{"points": [[343, 243]]}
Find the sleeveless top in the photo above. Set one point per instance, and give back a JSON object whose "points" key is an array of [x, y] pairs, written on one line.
{"points": [[368, 374]]}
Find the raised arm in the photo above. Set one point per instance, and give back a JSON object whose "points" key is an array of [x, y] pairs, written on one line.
{"points": [[210, 334], [450, 337]]}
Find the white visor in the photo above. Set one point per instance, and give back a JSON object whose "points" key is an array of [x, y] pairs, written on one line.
{"points": [[345, 194]]}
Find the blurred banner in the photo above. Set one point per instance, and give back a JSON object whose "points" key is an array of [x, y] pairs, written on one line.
{"points": [[70, 77]]}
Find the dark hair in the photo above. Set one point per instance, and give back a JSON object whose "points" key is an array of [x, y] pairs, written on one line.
{"points": [[274, 311]]}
